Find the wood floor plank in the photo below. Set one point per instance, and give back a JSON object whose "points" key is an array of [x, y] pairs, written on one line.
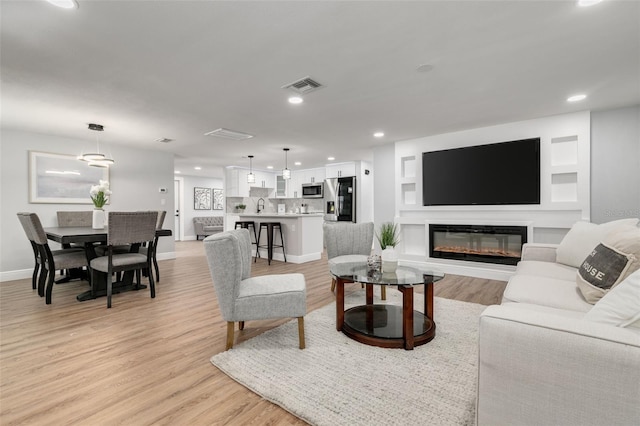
{"points": [[146, 361]]}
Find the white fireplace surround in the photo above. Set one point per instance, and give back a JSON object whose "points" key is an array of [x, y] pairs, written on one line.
{"points": [[414, 247]]}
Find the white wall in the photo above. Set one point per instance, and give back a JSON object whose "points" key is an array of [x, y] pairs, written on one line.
{"points": [[384, 194], [135, 179], [615, 164], [189, 212], [364, 193]]}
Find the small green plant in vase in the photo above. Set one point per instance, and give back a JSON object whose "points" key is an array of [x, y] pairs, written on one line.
{"points": [[388, 239], [241, 207]]}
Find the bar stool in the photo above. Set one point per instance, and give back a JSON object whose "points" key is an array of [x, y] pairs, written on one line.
{"points": [[270, 226], [246, 224]]}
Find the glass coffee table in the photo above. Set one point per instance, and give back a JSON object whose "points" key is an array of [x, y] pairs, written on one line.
{"points": [[387, 326]]}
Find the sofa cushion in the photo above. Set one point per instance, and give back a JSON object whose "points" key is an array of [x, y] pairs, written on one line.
{"points": [[546, 269], [620, 306], [583, 237], [609, 263], [545, 291]]}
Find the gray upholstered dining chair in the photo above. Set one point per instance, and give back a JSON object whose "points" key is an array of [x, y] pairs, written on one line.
{"points": [[133, 229], [47, 261], [67, 219], [242, 297], [144, 250], [348, 243]]}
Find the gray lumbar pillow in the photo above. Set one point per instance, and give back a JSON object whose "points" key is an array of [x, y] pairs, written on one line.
{"points": [[609, 263]]}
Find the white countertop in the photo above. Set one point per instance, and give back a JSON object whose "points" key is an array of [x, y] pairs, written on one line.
{"points": [[285, 215]]}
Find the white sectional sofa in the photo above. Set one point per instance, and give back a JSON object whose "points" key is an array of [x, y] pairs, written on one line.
{"points": [[548, 357]]}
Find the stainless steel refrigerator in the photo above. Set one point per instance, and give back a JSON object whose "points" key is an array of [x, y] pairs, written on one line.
{"points": [[340, 199]]}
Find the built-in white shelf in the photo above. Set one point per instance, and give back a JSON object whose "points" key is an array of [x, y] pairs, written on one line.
{"points": [[408, 167], [564, 187], [564, 150], [408, 191]]}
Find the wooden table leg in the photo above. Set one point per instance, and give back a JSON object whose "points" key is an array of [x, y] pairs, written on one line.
{"points": [[339, 304], [369, 292], [407, 316], [428, 300]]}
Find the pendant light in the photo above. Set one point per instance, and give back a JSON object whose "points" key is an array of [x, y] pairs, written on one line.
{"points": [[251, 178], [286, 173], [96, 159]]}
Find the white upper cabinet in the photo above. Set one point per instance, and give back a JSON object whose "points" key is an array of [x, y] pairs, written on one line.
{"points": [[315, 175], [341, 170], [237, 185]]}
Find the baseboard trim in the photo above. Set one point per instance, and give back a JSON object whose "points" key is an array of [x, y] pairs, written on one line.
{"points": [[21, 274]]}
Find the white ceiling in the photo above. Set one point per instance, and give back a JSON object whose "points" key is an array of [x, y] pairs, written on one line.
{"points": [[177, 69]]}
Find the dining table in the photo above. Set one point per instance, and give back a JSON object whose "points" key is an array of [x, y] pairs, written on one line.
{"points": [[89, 238]]}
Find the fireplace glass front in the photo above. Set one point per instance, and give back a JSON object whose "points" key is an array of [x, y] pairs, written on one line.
{"points": [[477, 243]]}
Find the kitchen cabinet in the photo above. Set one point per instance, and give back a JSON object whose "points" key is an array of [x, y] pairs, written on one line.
{"points": [[236, 184], [281, 187], [315, 175], [294, 186], [341, 170]]}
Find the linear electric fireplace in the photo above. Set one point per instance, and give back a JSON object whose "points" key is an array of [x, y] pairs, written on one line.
{"points": [[477, 243]]}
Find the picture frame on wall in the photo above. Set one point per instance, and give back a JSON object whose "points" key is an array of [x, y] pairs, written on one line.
{"points": [[62, 178], [218, 199], [201, 198]]}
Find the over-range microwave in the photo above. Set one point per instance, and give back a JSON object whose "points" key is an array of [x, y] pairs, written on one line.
{"points": [[313, 190]]}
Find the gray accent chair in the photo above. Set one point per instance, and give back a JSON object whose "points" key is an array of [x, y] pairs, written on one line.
{"points": [[349, 243], [242, 297], [207, 225], [46, 260], [127, 228]]}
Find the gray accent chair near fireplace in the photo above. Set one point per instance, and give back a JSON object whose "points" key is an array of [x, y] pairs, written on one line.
{"points": [[242, 297], [348, 242]]}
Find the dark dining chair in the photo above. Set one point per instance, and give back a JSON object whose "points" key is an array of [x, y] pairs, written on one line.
{"points": [[144, 250], [133, 229], [47, 261]]}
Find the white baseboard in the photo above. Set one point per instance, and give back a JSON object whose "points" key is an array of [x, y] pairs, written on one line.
{"points": [[292, 258], [16, 275], [21, 274]]}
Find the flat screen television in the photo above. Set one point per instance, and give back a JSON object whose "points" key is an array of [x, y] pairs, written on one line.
{"points": [[493, 174]]}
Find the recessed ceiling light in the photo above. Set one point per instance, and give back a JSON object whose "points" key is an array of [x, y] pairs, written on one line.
{"points": [[297, 163], [378, 134], [576, 98], [163, 140], [331, 158], [198, 168], [295, 100], [177, 172], [587, 3], [424, 68], [65, 4], [269, 167]]}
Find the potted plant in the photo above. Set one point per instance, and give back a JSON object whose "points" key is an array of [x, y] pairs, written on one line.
{"points": [[99, 196], [241, 207], [388, 238]]}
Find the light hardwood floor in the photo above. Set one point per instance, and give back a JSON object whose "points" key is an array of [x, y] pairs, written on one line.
{"points": [[146, 361]]}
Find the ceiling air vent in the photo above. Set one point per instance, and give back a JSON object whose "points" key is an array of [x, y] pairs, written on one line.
{"points": [[304, 85], [229, 134]]}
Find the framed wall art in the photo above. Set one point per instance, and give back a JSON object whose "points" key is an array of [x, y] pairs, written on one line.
{"points": [[218, 199], [62, 178], [201, 198]]}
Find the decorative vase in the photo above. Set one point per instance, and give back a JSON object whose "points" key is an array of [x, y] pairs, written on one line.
{"points": [[389, 259], [99, 217]]}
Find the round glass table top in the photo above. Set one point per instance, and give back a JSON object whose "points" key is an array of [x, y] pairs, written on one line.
{"points": [[403, 275]]}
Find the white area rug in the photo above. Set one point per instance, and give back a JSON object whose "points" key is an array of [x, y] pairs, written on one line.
{"points": [[338, 381]]}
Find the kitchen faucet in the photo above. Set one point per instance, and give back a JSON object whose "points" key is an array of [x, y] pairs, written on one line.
{"points": [[260, 206]]}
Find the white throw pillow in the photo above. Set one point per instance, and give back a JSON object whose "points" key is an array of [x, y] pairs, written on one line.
{"points": [[583, 237], [620, 306]]}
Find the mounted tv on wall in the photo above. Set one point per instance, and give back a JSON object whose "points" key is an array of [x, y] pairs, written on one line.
{"points": [[494, 174]]}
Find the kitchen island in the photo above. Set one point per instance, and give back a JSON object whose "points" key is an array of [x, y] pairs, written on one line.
{"points": [[303, 239]]}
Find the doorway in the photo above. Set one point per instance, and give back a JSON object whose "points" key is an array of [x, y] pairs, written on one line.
{"points": [[177, 202]]}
